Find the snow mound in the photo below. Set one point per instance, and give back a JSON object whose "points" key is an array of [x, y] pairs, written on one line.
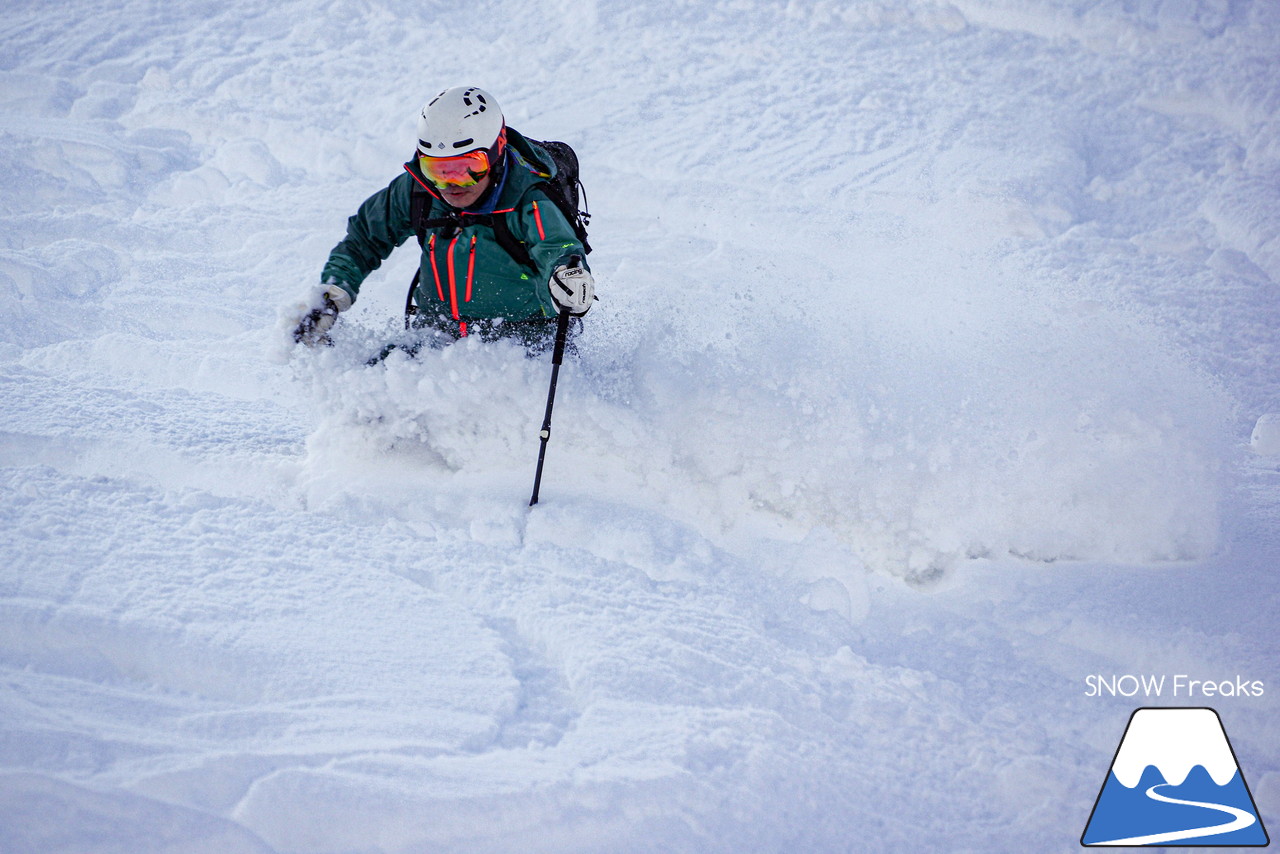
{"points": [[1265, 440]]}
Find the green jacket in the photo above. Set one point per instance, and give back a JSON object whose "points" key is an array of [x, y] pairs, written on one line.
{"points": [[465, 275]]}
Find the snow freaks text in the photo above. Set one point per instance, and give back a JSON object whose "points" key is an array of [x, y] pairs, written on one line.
{"points": [[1179, 686]]}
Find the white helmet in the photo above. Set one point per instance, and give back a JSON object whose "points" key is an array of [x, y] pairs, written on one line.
{"points": [[458, 120]]}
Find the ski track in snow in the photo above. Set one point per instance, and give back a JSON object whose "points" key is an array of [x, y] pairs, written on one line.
{"points": [[930, 340]]}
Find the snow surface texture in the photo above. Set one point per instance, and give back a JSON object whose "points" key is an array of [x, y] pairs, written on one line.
{"points": [[932, 342]]}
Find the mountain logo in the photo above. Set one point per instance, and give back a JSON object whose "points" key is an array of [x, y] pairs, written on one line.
{"points": [[1175, 782]]}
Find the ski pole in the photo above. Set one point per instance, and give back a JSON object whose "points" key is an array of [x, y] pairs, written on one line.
{"points": [[557, 356]]}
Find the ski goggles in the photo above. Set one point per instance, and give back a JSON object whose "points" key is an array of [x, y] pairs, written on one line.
{"points": [[463, 170]]}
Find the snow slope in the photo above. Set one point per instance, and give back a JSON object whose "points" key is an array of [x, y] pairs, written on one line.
{"points": [[931, 340]]}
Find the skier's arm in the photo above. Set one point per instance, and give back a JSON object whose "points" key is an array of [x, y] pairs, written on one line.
{"points": [[551, 242], [378, 227]]}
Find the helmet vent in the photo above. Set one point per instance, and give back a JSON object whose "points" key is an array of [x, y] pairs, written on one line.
{"points": [[467, 99], [460, 143]]}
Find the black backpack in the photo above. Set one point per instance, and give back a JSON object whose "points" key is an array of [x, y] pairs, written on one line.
{"points": [[566, 189]]}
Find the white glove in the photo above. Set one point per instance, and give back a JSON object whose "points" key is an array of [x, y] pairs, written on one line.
{"points": [[324, 304], [572, 288]]}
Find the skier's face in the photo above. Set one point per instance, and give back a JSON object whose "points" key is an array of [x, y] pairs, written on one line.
{"points": [[461, 197]]}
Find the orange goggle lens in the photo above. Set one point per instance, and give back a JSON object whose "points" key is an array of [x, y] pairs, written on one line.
{"points": [[465, 170]]}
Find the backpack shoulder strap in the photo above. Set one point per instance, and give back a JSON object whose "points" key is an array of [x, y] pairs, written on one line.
{"points": [[419, 209], [507, 240], [420, 215]]}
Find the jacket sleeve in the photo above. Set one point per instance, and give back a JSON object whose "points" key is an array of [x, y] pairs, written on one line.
{"points": [[551, 242], [378, 227]]}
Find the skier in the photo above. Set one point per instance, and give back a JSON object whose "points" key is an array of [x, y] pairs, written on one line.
{"points": [[499, 257]]}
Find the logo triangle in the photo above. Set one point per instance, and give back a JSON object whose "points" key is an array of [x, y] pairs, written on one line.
{"points": [[1175, 782]]}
